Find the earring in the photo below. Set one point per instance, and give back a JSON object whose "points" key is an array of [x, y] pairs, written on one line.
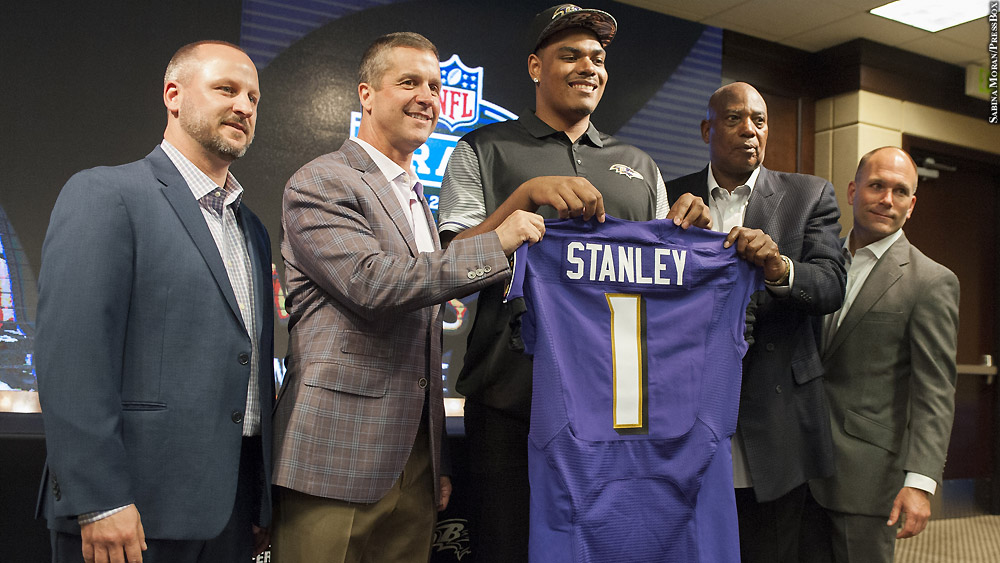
{"points": [[535, 80]]}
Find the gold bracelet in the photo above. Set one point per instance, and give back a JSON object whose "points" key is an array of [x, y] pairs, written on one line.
{"points": [[783, 280]]}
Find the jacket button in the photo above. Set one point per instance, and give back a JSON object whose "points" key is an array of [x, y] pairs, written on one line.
{"points": [[472, 275], [237, 417], [487, 268], [777, 389], [244, 358], [422, 382], [480, 271], [769, 347]]}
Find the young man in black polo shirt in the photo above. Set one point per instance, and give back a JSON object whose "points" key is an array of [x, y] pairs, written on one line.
{"points": [[548, 161]]}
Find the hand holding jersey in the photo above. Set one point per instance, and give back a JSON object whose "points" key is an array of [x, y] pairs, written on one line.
{"points": [[757, 247], [518, 228]]}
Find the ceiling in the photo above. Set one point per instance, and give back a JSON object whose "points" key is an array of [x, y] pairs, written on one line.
{"points": [[814, 25]]}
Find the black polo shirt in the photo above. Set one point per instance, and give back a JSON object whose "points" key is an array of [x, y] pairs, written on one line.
{"points": [[487, 166]]}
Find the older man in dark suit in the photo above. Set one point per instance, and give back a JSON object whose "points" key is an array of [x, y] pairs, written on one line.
{"points": [[359, 421], [155, 339], [788, 224], [890, 373]]}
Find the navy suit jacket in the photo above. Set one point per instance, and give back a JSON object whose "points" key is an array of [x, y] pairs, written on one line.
{"points": [[784, 420], [142, 354]]}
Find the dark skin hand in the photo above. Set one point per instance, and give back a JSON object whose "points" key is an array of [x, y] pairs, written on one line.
{"points": [[690, 210], [757, 247], [574, 196]]}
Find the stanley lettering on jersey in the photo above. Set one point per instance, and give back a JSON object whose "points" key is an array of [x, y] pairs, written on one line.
{"points": [[629, 265]]}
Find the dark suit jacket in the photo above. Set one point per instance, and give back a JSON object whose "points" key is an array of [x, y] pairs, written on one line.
{"points": [[890, 378], [784, 421], [365, 326], [142, 354]]}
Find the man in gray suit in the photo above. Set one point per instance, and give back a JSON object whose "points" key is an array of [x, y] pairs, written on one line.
{"points": [[359, 420], [787, 223], [155, 339], [889, 359]]}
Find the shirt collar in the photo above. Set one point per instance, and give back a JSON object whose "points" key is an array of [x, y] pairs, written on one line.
{"points": [[879, 247], [198, 182], [389, 169], [713, 183], [539, 128]]}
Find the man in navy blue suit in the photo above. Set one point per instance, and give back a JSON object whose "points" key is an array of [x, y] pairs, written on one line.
{"points": [[787, 224], [155, 338]]}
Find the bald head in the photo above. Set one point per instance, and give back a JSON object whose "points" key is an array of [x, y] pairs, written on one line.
{"points": [[735, 129], [733, 93], [186, 59], [902, 161], [211, 91], [883, 195]]}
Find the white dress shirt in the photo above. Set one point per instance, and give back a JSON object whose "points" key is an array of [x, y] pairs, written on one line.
{"points": [[403, 183]]}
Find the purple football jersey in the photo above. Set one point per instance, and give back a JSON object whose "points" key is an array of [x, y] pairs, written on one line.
{"points": [[637, 335]]}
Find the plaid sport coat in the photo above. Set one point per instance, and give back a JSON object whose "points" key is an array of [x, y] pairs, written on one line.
{"points": [[365, 329]]}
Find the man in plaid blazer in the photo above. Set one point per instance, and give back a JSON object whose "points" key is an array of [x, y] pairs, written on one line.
{"points": [[359, 420]]}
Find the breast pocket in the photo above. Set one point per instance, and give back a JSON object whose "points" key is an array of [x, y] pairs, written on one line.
{"points": [[883, 317], [880, 328]]}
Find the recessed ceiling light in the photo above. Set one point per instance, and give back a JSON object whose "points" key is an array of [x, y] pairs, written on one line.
{"points": [[933, 15]]}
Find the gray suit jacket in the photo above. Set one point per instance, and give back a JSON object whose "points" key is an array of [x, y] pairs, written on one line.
{"points": [[783, 419], [365, 327], [143, 355], [890, 378]]}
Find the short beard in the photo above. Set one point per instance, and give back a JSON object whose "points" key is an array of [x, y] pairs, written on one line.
{"points": [[221, 147], [200, 129]]}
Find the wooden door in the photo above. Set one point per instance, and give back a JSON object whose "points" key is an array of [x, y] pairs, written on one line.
{"points": [[955, 223]]}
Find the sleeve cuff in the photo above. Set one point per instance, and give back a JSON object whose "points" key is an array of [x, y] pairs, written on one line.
{"points": [[91, 517], [918, 481]]}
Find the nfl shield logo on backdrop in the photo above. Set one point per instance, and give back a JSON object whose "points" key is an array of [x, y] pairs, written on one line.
{"points": [[461, 93]]}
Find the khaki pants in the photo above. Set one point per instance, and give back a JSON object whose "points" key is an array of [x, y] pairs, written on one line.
{"points": [[310, 529]]}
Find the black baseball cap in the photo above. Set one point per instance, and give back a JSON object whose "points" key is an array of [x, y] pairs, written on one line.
{"points": [[565, 16]]}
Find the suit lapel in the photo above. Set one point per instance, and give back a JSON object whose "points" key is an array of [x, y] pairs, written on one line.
{"points": [[701, 189], [888, 271], [696, 184], [383, 190], [763, 204], [178, 194]]}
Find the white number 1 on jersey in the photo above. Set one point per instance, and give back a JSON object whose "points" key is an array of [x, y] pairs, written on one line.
{"points": [[628, 357]]}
